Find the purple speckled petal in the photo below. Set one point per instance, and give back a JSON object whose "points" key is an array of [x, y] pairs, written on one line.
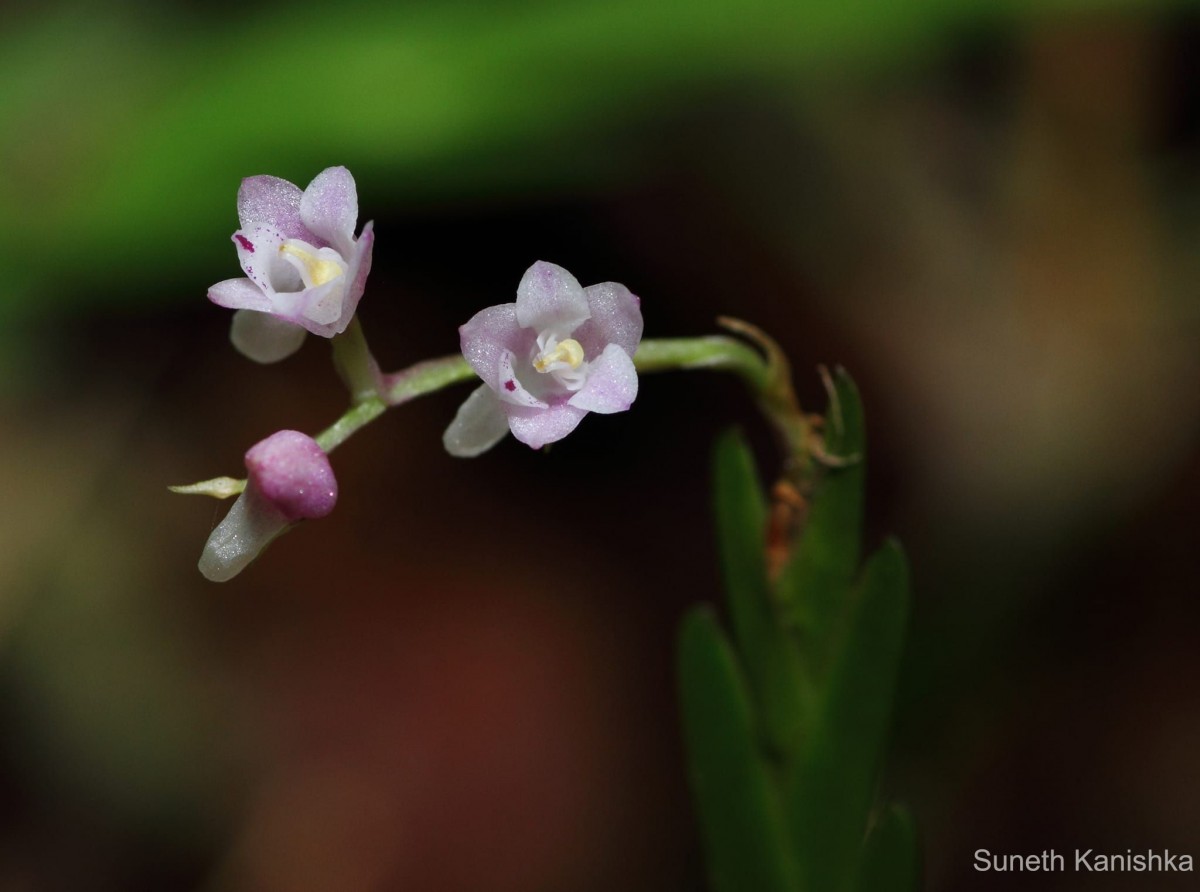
{"points": [[479, 424], [537, 427], [263, 337], [293, 474], [258, 253], [612, 383], [511, 390], [487, 335], [329, 208], [616, 319], [273, 201], [248, 528], [240, 294], [550, 299]]}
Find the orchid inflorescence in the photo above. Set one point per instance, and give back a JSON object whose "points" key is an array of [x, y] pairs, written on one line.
{"points": [[785, 717], [545, 361]]}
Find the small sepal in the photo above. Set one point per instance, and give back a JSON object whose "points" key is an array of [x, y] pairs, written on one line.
{"points": [[217, 488]]}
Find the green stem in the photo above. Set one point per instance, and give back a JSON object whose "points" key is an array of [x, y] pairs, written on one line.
{"points": [[355, 417], [374, 393], [393, 390], [769, 380], [425, 377], [712, 352], [354, 363]]}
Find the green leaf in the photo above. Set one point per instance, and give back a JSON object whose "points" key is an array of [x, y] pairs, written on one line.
{"points": [[740, 815], [890, 861], [816, 581], [830, 792], [772, 662]]}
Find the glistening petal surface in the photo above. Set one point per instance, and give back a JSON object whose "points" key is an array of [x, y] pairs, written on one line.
{"points": [[267, 199], [479, 424], [329, 208], [550, 299], [487, 335], [293, 473], [612, 383], [248, 528], [616, 318], [263, 337], [240, 294], [537, 427]]}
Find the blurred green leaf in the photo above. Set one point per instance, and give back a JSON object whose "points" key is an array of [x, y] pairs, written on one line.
{"points": [[771, 660], [814, 584], [124, 129], [737, 805], [890, 861], [833, 785]]}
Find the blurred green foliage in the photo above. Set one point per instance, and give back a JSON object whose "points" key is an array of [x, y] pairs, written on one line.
{"points": [[124, 131]]}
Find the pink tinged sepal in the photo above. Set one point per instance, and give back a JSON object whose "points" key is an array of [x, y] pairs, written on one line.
{"points": [[289, 480], [488, 335], [550, 299], [540, 427], [616, 319], [612, 383], [263, 337], [329, 208], [239, 294], [267, 199]]}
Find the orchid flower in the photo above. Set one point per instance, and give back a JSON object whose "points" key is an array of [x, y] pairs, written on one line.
{"points": [[547, 360], [289, 479], [305, 269]]}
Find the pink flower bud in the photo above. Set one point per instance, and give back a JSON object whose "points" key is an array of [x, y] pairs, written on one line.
{"points": [[289, 480]]}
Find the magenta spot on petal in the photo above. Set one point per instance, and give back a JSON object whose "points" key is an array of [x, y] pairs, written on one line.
{"points": [[245, 242], [510, 385]]}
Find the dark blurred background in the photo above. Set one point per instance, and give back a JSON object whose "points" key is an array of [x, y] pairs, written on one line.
{"points": [[462, 679]]}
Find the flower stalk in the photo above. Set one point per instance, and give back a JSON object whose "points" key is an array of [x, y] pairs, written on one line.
{"points": [[764, 378], [354, 363]]}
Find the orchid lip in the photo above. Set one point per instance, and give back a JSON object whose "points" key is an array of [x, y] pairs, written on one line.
{"points": [[316, 266]]}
